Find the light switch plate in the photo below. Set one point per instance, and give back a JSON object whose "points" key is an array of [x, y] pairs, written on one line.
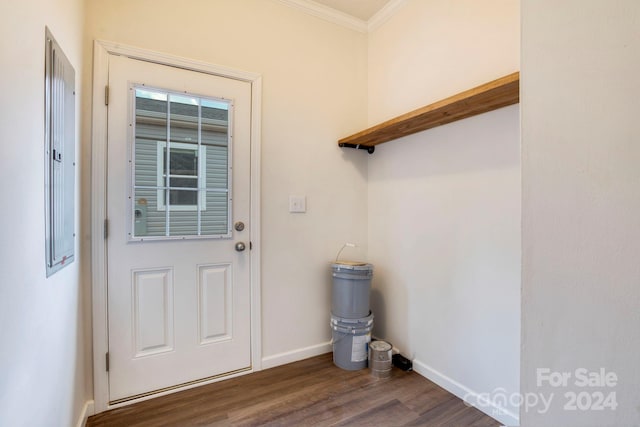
{"points": [[297, 204]]}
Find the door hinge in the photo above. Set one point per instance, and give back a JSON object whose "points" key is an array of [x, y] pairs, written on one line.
{"points": [[57, 156], [106, 360], [250, 245], [106, 95], [106, 228]]}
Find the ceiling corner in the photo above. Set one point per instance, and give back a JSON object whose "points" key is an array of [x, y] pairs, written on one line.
{"points": [[384, 14], [328, 14]]}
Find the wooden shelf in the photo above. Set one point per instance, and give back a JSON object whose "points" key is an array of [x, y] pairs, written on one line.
{"points": [[487, 97]]}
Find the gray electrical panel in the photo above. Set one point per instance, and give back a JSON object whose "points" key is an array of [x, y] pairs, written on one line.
{"points": [[60, 144]]}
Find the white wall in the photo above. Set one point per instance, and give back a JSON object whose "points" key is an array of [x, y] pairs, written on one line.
{"points": [[314, 92], [444, 204], [581, 203], [44, 353]]}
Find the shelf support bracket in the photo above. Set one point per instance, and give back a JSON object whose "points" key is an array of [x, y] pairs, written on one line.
{"points": [[370, 148]]}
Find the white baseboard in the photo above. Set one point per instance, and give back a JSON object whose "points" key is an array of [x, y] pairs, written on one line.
{"points": [[469, 396], [87, 410], [295, 355]]}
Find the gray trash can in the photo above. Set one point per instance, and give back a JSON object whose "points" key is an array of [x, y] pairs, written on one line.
{"points": [[350, 289], [351, 338]]}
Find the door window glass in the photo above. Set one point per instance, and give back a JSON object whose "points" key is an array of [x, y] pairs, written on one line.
{"points": [[181, 165]]}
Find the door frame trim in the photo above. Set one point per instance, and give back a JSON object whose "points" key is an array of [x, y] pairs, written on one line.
{"points": [[101, 51]]}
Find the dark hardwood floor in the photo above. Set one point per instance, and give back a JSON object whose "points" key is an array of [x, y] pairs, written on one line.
{"points": [[311, 392]]}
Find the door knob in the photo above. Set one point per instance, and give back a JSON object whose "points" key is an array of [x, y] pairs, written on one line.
{"points": [[240, 246]]}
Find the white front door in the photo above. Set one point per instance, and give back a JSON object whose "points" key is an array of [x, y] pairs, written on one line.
{"points": [[178, 188]]}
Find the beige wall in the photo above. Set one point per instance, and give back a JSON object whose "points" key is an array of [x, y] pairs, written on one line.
{"points": [[580, 205], [314, 91], [432, 49], [444, 204], [45, 353]]}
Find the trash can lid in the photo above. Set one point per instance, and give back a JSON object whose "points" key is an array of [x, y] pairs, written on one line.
{"points": [[380, 346], [351, 265]]}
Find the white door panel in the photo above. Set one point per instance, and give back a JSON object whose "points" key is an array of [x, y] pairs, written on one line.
{"points": [[178, 291]]}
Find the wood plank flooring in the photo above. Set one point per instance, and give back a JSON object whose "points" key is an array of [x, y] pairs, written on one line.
{"points": [[311, 392]]}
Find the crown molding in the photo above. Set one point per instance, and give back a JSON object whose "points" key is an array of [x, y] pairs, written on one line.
{"points": [[335, 16], [328, 14], [384, 14]]}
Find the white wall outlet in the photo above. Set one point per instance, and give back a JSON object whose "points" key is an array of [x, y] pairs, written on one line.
{"points": [[297, 204]]}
